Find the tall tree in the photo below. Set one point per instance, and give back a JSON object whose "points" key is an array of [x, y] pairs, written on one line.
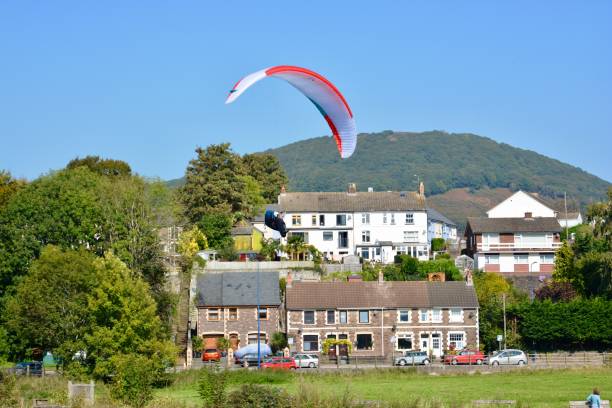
{"points": [[214, 183], [8, 186], [267, 170], [105, 167]]}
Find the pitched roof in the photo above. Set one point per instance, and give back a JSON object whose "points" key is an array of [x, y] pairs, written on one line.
{"points": [[360, 201], [538, 224], [435, 215], [237, 289], [354, 295], [242, 230]]}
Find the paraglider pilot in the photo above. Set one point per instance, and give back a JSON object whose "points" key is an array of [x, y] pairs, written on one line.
{"points": [[274, 220]]}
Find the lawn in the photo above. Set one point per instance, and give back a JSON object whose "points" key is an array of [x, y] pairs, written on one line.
{"points": [[532, 388]]}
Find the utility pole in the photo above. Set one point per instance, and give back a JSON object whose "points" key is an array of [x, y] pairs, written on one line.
{"points": [[566, 230], [504, 306]]}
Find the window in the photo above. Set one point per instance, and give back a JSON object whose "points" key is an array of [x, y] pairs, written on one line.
{"points": [[331, 316], [521, 258], [423, 315], [233, 313], [403, 316], [343, 316], [490, 238], [310, 342], [364, 342], [392, 218], [252, 338], [213, 314], [365, 218], [365, 253], [456, 340], [309, 317], [492, 259], [547, 258], [322, 220], [364, 316], [263, 313], [411, 236], [328, 236], [341, 219], [409, 218], [404, 342], [296, 220], [455, 315], [365, 236], [384, 218], [436, 315], [401, 250], [343, 239], [314, 220]]}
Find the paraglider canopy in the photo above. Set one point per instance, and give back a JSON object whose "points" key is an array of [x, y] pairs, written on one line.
{"points": [[320, 91], [273, 220]]}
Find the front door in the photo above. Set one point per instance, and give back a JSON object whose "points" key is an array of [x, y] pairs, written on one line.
{"points": [[436, 344], [425, 345]]}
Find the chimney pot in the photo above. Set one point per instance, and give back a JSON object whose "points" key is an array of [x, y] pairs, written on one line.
{"points": [[370, 189], [422, 189], [352, 188]]}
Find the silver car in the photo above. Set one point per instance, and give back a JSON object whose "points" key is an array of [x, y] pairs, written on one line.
{"points": [[303, 360], [412, 358], [509, 356]]}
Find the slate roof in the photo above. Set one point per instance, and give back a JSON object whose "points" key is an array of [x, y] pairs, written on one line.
{"points": [[435, 215], [345, 202], [507, 225], [237, 289], [355, 295], [242, 230]]}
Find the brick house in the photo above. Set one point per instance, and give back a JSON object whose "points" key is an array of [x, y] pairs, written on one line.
{"points": [[513, 245], [382, 318], [227, 307]]}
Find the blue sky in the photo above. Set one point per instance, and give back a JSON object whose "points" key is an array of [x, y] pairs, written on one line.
{"points": [[146, 81]]}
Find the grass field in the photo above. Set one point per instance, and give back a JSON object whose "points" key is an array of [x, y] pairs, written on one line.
{"points": [[531, 388]]}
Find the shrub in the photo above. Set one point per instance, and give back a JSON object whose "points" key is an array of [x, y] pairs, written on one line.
{"points": [[212, 386], [278, 341], [8, 398], [259, 396], [438, 244], [133, 380]]}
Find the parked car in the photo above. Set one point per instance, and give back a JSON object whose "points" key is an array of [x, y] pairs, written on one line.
{"points": [[509, 356], [249, 359], [28, 368], [306, 360], [279, 363], [465, 357], [413, 358], [211, 355]]}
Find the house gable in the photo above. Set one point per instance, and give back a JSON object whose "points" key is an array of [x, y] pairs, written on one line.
{"points": [[518, 204]]}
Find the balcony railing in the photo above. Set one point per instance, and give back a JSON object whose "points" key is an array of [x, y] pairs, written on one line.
{"points": [[511, 246]]}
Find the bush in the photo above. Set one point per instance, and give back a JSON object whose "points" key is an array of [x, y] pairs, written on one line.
{"points": [[259, 396], [133, 380], [212, 386], [278, 342], [438, 244], [8, 397]]}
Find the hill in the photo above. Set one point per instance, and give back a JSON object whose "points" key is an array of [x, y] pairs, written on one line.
{"points": [[464, 174]]}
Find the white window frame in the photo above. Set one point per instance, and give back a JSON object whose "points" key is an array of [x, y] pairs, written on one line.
{"points": [[404, 335], [219, 316], [365, 218], [365, 236], [318, 343], [261, 309], [433, 315], [408, 234], [314, 220], [399, 314], [543, 259], [522, 259], [452, 318], [237, 314], [409, 219], [371, 336], [491, 257], [421, 316], [328, 232], [345, 220], [262, 335], [296, 220], [448, 339], [314, 312], [359, 316], [384, 218], [392, 218], [326, 316], [346, 314]]}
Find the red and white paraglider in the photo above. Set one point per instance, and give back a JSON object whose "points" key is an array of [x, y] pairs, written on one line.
{"points": [[322, 93]]}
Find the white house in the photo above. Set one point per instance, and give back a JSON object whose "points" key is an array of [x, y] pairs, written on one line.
{"points": [[373, 225]]}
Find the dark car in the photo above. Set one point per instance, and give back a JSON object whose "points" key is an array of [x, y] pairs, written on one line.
{"points": [[28, 368]]}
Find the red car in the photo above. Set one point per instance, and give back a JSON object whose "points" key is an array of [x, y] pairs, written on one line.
{"points": [[211, 355], [465, 357], [279, 363]]}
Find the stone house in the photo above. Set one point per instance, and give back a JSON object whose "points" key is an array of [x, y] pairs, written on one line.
{"points": [[227, 307], [382, 318]]}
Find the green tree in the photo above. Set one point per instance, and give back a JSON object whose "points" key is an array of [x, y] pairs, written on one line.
{"points": [[440, 265], [269, 248], [254, 202], [8, 186], [600, 215], [133, 379], [48, 308], [214, 183], [278, 341], [267, 170], [212, 387], [217, 227], [104, 167]]}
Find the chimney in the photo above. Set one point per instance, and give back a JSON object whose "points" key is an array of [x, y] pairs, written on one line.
{"points": [[283, 189], [528, 215], [422, 189], [468, 277], [289, 279], [381, 277], [352, 188], [370, 189]]}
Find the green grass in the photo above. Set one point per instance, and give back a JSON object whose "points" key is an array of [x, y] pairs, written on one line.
{"points": [[541, 388]]}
